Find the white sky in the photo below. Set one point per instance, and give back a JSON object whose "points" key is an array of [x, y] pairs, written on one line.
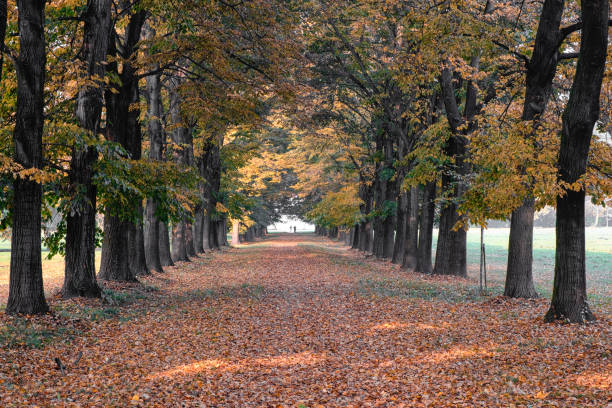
{"points": [[286, 223]]}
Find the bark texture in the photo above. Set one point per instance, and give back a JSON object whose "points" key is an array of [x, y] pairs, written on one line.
{"points": [[426, 221], [540, 73], [123, 127], [25, 283], [156, 146], [569, 299], [80, 272]]}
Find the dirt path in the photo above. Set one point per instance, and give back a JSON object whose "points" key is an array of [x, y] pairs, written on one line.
{"points": [[300, 321]]}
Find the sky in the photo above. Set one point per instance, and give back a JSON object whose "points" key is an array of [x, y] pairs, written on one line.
{"points": [[287, 222]]}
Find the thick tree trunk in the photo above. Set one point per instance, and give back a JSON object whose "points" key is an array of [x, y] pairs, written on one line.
{"points": [[539, 77], [213, 235], [400, 229], [137, 261], [411, 230], [206, 242], [156, 146], [519, 279], [164, 245], [189, 244], [222, 232], [181, 231], [80, 266], [198, 238], [451, 248], [152, 237], [80, 272], [26, 293], [426, 221], [123, 127], [235, 232], [115, 254], [179, 243], [569, 299], [355, 236]]}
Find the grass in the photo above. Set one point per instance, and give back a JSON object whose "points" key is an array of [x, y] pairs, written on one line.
{"points": [[598, 259], [412, 289]]}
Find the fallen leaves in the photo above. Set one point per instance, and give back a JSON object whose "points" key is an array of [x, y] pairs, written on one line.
{"points": [[287, 325]]}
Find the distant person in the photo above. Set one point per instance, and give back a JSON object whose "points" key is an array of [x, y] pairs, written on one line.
{"points": [[295, 230]]}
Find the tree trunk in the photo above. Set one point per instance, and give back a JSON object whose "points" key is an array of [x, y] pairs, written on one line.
{"points": [[156, 146], [235, 232], [137, 261], [519, 279], [355, 236], [198, 238], [426, 221], [206, 242], [80, 272], [179, 243], [400, 229], [123, 127], [411, 230], [189, 244], [114, 263], [451, 248], [569, 299], [152, 237], [213, 235], [26, 293], [539, 77], [164, 245], [222, 233]]}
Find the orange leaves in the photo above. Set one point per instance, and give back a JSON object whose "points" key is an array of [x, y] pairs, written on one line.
{"points": [[290, 322]]}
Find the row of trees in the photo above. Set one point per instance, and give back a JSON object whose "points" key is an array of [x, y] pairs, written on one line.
{"points": [[148, 112], [369, 116], [479, 109]]}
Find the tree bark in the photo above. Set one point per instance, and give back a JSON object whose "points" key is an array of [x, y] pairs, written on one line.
{"points": [[26, 293], [519, 279], [180, 153], [115, 254], [539, 77], [426, 221], [451, 248], [569, 299], [164, 245], [399, 249], [206, 242], [189, 240], [198, 238], [80, 269], [222, 232], [235, 232], [156, 146], [179, 243], [411, 230], [123, 127]]}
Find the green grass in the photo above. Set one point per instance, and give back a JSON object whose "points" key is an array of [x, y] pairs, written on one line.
{"points": [[598, 259], [413, 289]]}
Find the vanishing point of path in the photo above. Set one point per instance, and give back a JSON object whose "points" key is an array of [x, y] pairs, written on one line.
{"points": [[300, 321]]}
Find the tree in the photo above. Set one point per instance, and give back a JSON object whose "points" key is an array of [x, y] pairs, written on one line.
{"points": [[569, 300], [26, 285], [121, 252], [80, 272]]}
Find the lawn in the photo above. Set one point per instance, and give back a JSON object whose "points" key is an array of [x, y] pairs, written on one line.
{"points": [[598, 259]]}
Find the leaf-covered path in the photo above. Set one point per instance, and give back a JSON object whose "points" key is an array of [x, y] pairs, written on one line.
{"points": [[301, 321]]}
